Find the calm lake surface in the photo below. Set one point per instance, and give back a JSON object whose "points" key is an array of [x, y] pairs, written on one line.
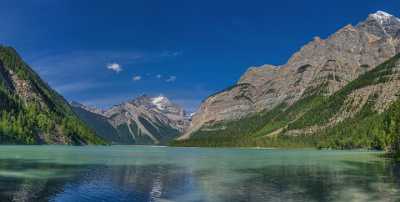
{"points": [[163, 174]]}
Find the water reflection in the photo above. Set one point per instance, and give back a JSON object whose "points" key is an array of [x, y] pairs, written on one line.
{"points": [[196, 176], [364, 182]]}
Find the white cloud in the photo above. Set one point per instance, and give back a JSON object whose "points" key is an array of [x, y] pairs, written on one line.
{"points": [[158, 76], [171, 79], [115, 67], [136, 78]]}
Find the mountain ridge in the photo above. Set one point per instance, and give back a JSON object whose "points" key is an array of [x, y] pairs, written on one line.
{"points": [[319, 70], [343, 56]]}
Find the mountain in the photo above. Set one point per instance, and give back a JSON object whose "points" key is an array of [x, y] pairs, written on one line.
{"points": [[33, 113], [144, 120], [327, 83], [97, 122]]}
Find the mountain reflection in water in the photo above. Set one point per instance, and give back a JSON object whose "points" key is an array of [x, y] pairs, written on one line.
{"points": [[140, 173]]}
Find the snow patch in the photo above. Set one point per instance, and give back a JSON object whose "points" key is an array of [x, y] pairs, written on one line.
{"points": [[382, 16], [160, 102]]}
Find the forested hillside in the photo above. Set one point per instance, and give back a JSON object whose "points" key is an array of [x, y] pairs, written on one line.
{"points": [[31, 112]]}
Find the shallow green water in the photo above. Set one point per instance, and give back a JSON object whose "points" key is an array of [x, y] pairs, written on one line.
{"points": [[144, 173]]}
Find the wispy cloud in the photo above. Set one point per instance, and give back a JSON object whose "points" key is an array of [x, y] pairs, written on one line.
{"points": [[56, 65], [191, 105], [170, 79], [136, 78], [114, 67], [159, 76], [107, 101], [59, 66], [78, 86], [171, 53]]}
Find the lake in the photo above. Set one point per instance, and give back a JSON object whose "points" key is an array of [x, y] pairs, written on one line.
{"points": [[164, 174]]}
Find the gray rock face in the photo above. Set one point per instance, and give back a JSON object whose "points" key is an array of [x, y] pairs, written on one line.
{"points": [[381, 24], [333, 62], [144, 120]]}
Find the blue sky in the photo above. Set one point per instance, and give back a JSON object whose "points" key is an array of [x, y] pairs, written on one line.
{"points": [[102, 52]]}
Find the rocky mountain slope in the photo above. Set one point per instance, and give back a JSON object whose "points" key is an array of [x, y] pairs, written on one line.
{"points": [[144, 120], [290, 100], [31, 112]]}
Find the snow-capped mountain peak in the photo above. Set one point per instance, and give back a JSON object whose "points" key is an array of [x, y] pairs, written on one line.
{"points": [[142, 120], [382, 16], [160, 102]]}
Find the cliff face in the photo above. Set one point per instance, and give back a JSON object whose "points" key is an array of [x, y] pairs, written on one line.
{"points": [[31, 112], [332, 63]]}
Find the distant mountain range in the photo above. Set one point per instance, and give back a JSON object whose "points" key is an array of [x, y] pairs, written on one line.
{"points": [[144, 120], [339, 92]]}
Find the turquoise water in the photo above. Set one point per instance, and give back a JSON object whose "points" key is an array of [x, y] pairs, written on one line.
{"points": [[163, 174]]}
